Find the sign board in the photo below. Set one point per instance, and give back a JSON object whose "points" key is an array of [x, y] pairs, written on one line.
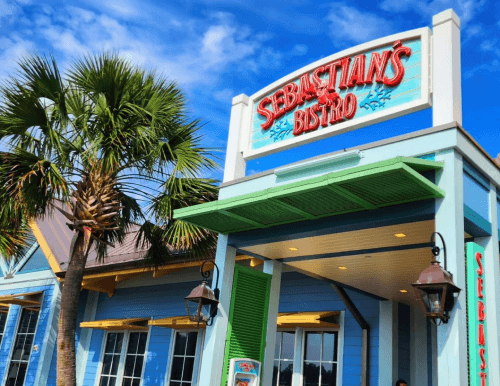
{"points": [[477, 316], [372, 82]]}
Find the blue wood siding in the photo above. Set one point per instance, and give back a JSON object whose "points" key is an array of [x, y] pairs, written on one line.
{"points": [[404, 342], [11, 326], [476, 196], [158, 301], [301, 293], [37, 262], [157, 359]]}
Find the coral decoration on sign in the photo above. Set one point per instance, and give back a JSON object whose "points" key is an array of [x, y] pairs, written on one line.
{"points": [[322, 84], [280, 130], [376, 98]]}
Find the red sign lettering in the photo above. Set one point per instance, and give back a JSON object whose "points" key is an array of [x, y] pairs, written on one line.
{"points": [[483, 361], [480, 311], [479, 256], [480, 336], [480, 287], [330, 104]]}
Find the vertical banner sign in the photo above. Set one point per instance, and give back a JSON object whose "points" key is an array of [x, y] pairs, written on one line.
{"points": [[477, 315], [363, 85]]}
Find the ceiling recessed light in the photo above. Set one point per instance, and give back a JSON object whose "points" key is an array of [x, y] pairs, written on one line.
{"points": [[400, 235], [293, 249], [342, 267], [403, 291]]}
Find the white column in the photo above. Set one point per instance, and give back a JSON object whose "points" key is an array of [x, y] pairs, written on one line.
{"points": [[50, 338], [388, 343], [82, 351], [418, 346], [297, 357], [215, 335], [273, 268], [452, 337], [492, 290], [446, 71], [235, 164]]}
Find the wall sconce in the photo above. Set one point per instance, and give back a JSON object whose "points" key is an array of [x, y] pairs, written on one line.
{"points": [[202, 302], [435, 289]]}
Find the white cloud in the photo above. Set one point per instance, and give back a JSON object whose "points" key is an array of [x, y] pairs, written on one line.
{"points": [[349, 25], [492, 66], [225, 95], [11, 49], [473, 31], [466, 9], [299, 50]]}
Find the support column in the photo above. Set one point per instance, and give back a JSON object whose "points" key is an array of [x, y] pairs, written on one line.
{"points": [[418, 347], [82, 352], [492, 290], [452, 337], [215, 335], [50, 338], [274, 268], [297, 358], [446, 71], [235, 166], [388, 343]]}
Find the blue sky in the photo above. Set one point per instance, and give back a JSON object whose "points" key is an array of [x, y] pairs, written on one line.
{"points": [[219, 49]]}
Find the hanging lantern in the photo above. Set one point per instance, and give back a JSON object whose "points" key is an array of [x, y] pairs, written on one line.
{"points": [[435, 289], [202, 302]]}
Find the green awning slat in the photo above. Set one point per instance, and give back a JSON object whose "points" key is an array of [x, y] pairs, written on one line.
{"points": [[368, 187], [353, 197]]}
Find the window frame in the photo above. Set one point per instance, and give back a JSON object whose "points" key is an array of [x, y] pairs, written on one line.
{"points": [[16, 331], [198, 355], [123, 354], [296, 333], [300, 347], [306, 330], [2, 333]]}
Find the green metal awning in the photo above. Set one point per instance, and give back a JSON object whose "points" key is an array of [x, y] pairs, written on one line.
{"points": [[392, 182]]}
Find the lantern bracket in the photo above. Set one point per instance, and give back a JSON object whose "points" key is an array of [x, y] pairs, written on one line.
{"points": [[436, 250], [206, 275]]}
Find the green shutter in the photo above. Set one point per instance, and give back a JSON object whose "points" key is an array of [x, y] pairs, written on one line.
{"points": [[246, 335]]}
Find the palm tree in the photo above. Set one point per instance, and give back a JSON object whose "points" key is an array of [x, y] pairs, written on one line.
{"points": [[112, 147]]}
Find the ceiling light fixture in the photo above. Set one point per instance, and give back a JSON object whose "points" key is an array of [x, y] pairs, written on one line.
{"points": [[293, 249], [403, 291], [342, 268], [400, 235]]}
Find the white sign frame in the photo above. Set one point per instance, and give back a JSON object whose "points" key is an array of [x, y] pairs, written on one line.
{"points": [[425, 101]]}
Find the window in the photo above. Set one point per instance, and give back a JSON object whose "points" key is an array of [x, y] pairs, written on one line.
{"points": [[134, 360], [123, 359], [283, 358], [185, 358], [22, 347], [320, 358], [3, 321]]}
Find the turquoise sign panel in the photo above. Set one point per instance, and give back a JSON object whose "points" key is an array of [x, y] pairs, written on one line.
{"points": [[370, 98], [477, 316]]}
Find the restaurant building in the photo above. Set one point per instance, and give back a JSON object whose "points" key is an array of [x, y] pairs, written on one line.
{"points": [[315, 259], [346, 234]]}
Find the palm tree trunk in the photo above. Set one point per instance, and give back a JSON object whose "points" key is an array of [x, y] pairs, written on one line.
{"points": [[66, 352]]}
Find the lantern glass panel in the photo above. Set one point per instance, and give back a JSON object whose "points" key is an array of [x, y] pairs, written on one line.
{"points": [[197, 311], [432, 299]]}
